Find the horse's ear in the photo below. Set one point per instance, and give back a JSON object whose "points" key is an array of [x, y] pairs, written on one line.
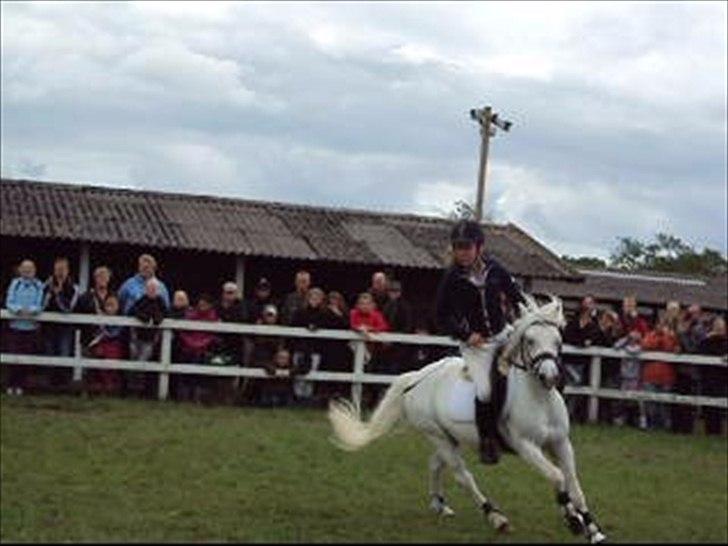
{"points": [[523, 309], [557, 311]]}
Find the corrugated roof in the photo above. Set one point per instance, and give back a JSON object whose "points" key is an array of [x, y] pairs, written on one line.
{"points": [[253, 228], [649, 287]]}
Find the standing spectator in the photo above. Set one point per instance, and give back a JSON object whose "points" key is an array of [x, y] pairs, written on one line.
{"points": [[308, 353], [107, 342], [231, 309], [672, 316], [24, 299], [92, 301], [134, 287], [149, 309], [262, 297], [610, 330], [581, 331], [60, 295], [296, 299], [197, 348], [630, 378], [180, 305], [659, 376], [337, 353], [714, 379], [378, 290], [631, 319], [691, 331], [398, 314]]}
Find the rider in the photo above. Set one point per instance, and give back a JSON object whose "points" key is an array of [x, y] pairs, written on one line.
{"points": [[469, 308]]}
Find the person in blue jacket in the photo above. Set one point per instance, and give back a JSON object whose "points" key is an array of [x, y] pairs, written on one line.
{"points": [[25, 299]]}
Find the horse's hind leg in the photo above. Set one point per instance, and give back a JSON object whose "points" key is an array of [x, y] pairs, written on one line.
{"points": [[571, 496], [437, 490], [454, 460]]}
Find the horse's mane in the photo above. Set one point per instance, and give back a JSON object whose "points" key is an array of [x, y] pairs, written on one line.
{"points": [[531, 313]]}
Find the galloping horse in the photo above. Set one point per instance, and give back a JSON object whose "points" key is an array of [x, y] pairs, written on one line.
{"points": [[438, 401]]}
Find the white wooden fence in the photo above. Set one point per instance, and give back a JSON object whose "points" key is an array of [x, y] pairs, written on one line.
{"points": [[358, 377]]}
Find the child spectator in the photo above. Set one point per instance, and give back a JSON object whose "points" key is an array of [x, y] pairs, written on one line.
{"points": [[60, 296], [630, 378], [307, 352], [180, 305], [270, 353], [196, 347], [659, 376], [24, 299], [107, 343]]}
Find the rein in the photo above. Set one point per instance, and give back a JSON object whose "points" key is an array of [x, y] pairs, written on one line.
{"points": [[532, 364]]}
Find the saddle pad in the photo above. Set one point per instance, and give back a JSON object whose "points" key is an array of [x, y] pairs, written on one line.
{"points": [[461, 401]]}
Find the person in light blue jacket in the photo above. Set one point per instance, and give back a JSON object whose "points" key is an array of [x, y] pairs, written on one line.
{"points": [[134, 287], [24, 299]]}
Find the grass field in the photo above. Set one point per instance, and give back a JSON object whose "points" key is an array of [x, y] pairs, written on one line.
{"points": [[121, 470]]}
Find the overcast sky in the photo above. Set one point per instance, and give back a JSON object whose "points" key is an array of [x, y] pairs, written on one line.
{"points": [[618, 109]]}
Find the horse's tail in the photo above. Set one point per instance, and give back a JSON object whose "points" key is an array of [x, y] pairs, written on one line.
{"points": [[352, 432]]}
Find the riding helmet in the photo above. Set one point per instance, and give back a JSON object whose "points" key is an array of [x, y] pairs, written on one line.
{"points": [[467, 231]]}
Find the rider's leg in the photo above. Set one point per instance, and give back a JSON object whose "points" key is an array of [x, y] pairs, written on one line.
{"points": [[479, 362]]}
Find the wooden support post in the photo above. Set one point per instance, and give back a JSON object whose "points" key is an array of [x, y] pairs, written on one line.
{"points": [[77, 368], [166, 359], [356, 382], [595, 379], [84, 266], [240, 274]]}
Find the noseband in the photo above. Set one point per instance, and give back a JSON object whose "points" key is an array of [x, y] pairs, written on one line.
{"points": [[533, 364]]}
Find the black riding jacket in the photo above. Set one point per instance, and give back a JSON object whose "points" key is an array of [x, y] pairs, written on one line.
{"points": [[462, 308]]}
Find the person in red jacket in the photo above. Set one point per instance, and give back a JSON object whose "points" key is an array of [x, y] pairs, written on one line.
{"points": [[365, 317], [630, 318], [659, 376]]}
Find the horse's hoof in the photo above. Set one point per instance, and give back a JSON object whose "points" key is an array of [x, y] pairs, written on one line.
{"points": [[598, 538], [447, 512], [575, 524], [504, 528]]}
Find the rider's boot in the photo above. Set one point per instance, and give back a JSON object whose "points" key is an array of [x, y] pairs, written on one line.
{"points": [[486, 421]]}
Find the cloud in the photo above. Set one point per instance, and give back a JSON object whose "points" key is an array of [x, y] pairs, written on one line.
{"points": [[619, 110]]}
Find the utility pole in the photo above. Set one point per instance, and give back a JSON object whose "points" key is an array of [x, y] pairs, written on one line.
{"points": [[488, 122]]}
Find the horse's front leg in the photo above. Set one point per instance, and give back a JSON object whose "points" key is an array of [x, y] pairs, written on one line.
{"points": [[571, 497], [437, 490], [454, 460]]}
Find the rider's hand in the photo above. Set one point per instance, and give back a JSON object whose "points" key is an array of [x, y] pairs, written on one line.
{"points": [[475, 340]]}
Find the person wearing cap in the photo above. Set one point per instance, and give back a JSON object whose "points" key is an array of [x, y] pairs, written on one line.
{"points": [[261, 297], [468, 308]]}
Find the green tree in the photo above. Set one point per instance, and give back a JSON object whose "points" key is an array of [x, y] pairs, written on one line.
{"points": [[586, 262], [666, 253]]}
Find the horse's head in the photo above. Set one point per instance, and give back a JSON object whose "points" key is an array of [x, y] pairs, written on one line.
{"points": [[535, 343]]}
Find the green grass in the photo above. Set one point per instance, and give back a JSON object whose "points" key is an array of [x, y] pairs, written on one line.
{"points": [[121, 470]]}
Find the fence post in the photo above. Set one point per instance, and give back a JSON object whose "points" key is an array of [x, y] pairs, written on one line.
{"points": [[77, 369], [166, 359], [356, 384], [595, 379]]}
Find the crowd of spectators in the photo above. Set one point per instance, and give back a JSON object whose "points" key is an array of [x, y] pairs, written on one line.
{"points": [[676, 329], [378, 308]]}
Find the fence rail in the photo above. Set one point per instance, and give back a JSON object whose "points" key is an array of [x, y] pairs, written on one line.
{"points": [[358, 377]]}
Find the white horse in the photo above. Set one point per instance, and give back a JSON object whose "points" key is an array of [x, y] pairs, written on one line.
{"points": [[439, 401]]}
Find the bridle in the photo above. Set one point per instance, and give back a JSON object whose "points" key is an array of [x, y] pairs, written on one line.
{"points": [[532, 364]]}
